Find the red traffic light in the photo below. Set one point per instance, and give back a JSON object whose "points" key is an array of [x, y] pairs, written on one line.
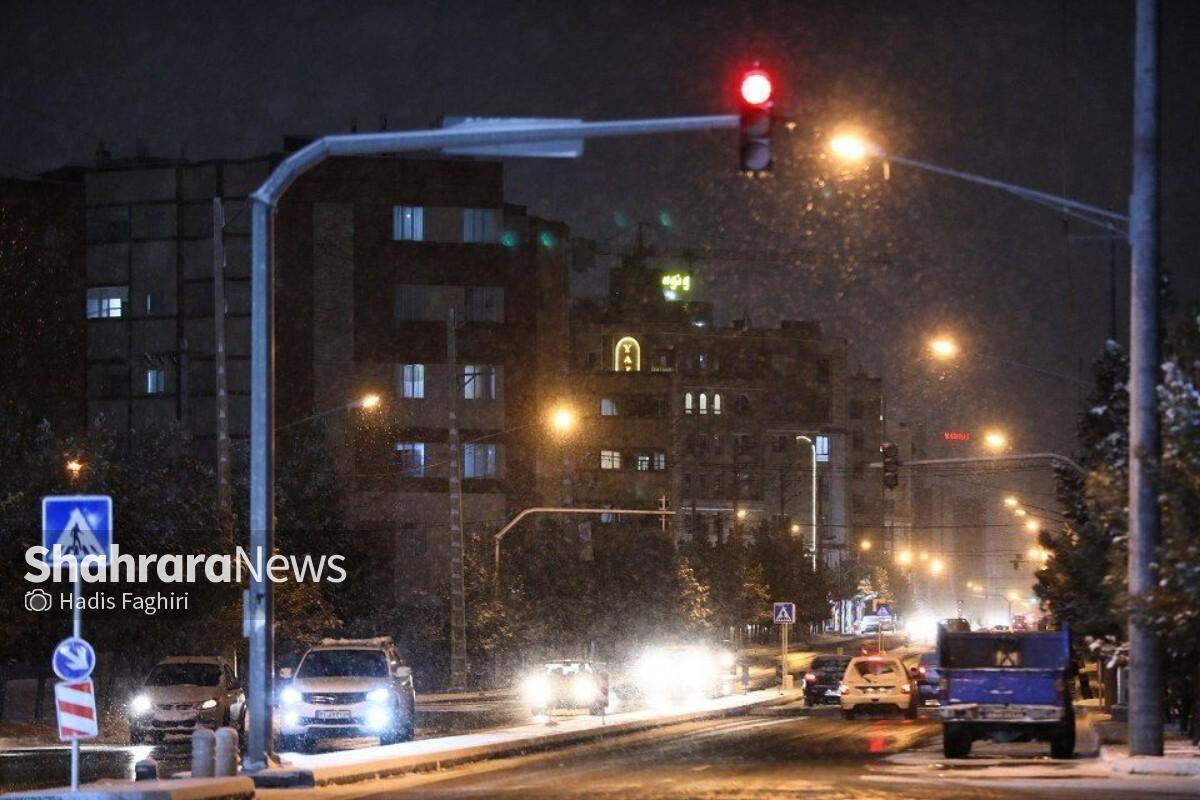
{"points": [[756, 87]]}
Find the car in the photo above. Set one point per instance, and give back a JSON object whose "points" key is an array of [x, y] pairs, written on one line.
{"points": [[183, 692], [955, 625], [878, 682], [1020, 623], [566, 683], [347, 687], [822, 678], [680, 673], [868, 624], [1001, 629], [927, 677]]}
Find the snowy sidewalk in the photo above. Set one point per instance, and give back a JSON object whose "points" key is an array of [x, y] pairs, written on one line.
{"points": [[1179, 758]]}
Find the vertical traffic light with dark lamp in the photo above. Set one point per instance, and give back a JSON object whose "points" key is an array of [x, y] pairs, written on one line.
{"points": [[891, 464], [757, 93]]}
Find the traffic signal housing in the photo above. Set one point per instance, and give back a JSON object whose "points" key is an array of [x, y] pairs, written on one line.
{"points": [[891, 464], [757, 96]]}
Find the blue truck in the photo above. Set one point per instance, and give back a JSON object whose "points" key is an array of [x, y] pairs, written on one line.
{"points": [[1006, 687]]}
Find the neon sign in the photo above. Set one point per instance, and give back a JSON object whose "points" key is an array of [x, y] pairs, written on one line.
{"points": [[675, 284], [627, 355], [956, 436]]}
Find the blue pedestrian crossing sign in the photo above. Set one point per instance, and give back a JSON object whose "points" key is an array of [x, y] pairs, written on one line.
{"points": [[74, 659], [784, 613], [79, 525]]}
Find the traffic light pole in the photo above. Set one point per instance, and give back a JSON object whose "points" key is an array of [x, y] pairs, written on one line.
{"points": [[258, 611], [1052, 457]]}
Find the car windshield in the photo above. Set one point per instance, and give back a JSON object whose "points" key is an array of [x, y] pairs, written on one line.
{"points": [[872, 669], [184, 675], [566, 668], [343, 663]]}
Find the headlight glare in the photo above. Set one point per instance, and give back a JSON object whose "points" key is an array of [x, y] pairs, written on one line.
{"points": [[140, 704], [380, 695], [209, 703], [290, 696]]}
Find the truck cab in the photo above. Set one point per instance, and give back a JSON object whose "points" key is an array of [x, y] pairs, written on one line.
{"points": [[1006, 687]]}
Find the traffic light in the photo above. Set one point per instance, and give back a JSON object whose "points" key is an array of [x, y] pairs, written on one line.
{"points": [[755, 130], [891, 464]]}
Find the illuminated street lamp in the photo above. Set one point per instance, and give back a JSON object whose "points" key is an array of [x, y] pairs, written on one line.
{"points": [[852, 147], [562, 419], [924, 556], [795, 528], [864, 545], [74, 467], [943, 348], [369, 401], [1032, 525], [1020, 512], [741, 513], [904, 558], [995, 441], [1011, 501], [936, 566]]}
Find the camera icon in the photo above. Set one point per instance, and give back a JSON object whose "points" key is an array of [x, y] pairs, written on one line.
{"points": [[38, 600]]}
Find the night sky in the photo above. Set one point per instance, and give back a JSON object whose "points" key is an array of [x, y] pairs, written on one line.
{"points": [[1037, 93]]}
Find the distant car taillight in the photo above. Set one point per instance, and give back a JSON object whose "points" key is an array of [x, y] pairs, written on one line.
{"points": [[921, 670]]}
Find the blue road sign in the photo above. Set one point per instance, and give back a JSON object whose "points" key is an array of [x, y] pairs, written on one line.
{"points": [[81, 525], [74, 659], [784, 613], [883, 611]]}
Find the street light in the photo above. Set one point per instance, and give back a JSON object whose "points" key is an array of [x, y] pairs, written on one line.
{"points": [[813, 446], [943, 348], [936, 566], [562, 419], [1011, 502], [904, 558], [74, 467], [1020, 512], [1032, 525], [995, 441], [864, 545], [368, 402]]}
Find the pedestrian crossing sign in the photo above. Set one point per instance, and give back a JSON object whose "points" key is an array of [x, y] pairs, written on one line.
{"points": [[78, 525], [784, 613]]}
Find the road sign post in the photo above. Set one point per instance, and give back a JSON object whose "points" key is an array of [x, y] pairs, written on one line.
{"points": [[78, 526], [784, 614]]}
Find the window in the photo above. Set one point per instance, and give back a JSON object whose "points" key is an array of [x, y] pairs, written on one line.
{"points": [[856, 471], [823, 370], [822, 444], [660, 462], [855, 410], [410, 303], [479, 461], [717, 487], [741, 443], [687, 403], [156, 381], [700, 361], [716, 403], [858, 441], [703, 490], [699, 444], [484, 304], [151, 302], [703, 403], [408, 223], [412, 381], [479, 382], [411, 456], [481, 225], [608, 407], [643, 463], [687, 484], [107, 302], [716, 447], [741, 404], [610, 459]]}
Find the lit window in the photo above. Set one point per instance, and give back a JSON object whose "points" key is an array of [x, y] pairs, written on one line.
{"points": [[608, 407], [151, 302], [479, 461], [643, 463], [703, 403], [107, 302], [481, 225], [479, 382], [156, 381], [408, 223], [410, 303], [411, 456], [822, 448], [741, 404], [412, 381], [716, 404], [484, 304], [660, 462], [687, 403], [610, 459]]}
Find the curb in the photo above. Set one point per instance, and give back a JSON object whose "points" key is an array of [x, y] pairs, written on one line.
{"points": [[235, 788], [1176, 766], [387, 766]]}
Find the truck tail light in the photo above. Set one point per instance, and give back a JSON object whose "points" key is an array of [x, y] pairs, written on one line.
{"points": [[811, 677]]}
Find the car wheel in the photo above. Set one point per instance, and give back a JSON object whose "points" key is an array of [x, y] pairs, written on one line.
{"points": [[1062, 744], [956, 743]]}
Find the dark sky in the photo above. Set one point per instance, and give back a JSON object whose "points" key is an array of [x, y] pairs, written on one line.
{"points": [[1038, 93]]}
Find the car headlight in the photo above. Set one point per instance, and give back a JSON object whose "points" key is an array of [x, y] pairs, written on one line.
{"points": [[290, 696], [536, 690], [140, 704], [380, 695], [728, 659], [583, 690], [210, 703], [654, 669], [378, 718]]}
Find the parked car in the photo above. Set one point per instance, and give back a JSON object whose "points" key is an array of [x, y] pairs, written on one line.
{"points": [[347, 687], [927, 677], [183, 692], [822, 679], [1006, 687], [877, 683], [868, 624], [566, 683], [1020, 623]]}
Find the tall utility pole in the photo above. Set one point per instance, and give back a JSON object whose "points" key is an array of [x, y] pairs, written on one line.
{"points": [[458, 600], [1145, 659], [221, 387]]}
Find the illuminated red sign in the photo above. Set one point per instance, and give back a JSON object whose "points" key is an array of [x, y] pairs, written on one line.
{"points": [[956, 436]]}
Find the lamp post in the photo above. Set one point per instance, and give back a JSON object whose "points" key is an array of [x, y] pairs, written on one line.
{"points": [[367, 402], [812, 445], [946, 348]]}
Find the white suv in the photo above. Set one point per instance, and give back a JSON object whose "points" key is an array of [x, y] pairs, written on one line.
{"points": [[345, 688], [877, 682]]}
